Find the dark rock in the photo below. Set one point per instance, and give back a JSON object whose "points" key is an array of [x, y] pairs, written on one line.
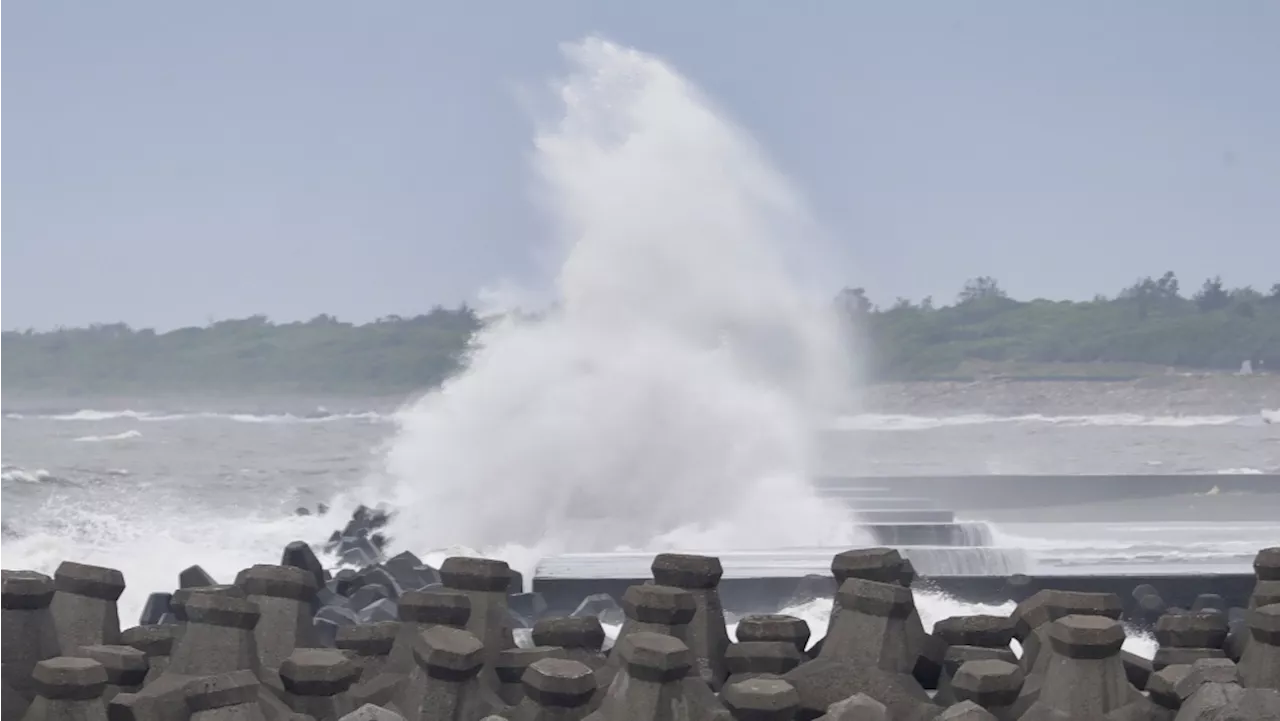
{"points": [[195, 577], [326, 596], [155, 608], [825, 681], [751, 659], [580, 632], [338, 615], [858, 707], [707, 635], [603, 607], [300, 555], [1192, 630], [883, 565], [966, 711], [409, 572], [654, 657], [1149, 609], [475, 574], [156, 642], [556, 687], [659, 605], [325, 631], [1161, 686], [529, 606], [1049, 605], [976, 630], [1144, 589], [66, 678], [774, 627], [376, 576], [1252, 704], [1266, 565], [1137, 669], [516, 621], [316, 672], [450, 660], [510, 667], [365, 595], [992, 684], [357, 552], [126, 667], [30, 636], [439, 607], [218, 691], [957, 656], [1019, 587], [370, 712], [1209, 602], [761, 699], [383, 609]]}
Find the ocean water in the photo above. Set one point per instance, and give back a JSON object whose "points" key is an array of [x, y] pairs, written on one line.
{"points": [[151, 486], [680, 390]]}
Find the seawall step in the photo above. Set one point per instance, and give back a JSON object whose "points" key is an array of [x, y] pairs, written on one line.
{"points": [[960, 533], [919, 515]]}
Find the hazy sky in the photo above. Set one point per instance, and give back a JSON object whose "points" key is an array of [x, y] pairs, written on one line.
{"points": [[170, 162]]}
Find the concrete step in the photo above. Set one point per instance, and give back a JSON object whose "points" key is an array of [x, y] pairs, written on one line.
{"points": [[1023, 491], [905, 516], [960, 533], [887, 504]]}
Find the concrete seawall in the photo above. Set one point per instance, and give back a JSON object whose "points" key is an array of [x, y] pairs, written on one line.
{"points": [[763, 581], [766, 595], [1183, 534], [976, 493]]}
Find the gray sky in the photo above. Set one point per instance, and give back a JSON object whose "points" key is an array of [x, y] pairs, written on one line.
{"points": [[175, 162]]}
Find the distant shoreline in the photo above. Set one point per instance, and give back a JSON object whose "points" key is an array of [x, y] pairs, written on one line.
{"points": [[1148, 330], [1096, 372]]}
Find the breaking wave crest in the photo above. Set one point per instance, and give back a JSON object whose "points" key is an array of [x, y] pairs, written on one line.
{"points": [[670, 395]]}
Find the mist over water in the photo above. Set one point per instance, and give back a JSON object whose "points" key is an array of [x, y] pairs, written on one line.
{"points": [[668, 397]]}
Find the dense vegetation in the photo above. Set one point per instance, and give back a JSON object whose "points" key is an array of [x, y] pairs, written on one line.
{"points": [[323, 354], [1150, 323]]}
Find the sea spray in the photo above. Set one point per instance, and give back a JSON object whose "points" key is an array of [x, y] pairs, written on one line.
{"points": [[668, 397], [664, 402]]}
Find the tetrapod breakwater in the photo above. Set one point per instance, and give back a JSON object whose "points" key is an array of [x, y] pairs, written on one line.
{"points": [[397, 638]]}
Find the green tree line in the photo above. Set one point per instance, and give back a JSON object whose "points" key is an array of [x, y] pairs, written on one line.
{"points": [[1151, 322], [323, 354]]}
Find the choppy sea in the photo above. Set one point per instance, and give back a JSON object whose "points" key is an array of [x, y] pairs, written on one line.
{"points": [[153, 485]]}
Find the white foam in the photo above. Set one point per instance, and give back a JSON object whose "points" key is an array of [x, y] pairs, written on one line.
{"points": [[901, 422], [92, 415], [14, 474], [126, 435], [151, 542], [668, 397]]}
